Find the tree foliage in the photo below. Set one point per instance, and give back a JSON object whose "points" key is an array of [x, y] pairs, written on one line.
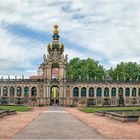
{"points": [[125, 71], [84, 69], [89, 68]]}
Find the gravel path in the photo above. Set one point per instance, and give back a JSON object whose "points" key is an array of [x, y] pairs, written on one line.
{"points": [[108, 127], [12, 124], [56, 123]]}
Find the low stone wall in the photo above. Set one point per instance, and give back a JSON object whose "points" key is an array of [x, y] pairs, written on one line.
{"points": [[7, 112], [2, 113], [124, 116]]}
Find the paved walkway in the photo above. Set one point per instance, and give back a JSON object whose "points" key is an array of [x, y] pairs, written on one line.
{"points": [[56, 123]]}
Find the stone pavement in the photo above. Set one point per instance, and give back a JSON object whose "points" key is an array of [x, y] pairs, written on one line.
{"points": [[56, 123]]}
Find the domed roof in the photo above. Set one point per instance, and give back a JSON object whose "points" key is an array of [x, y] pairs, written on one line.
{"points": [[56, 45]]}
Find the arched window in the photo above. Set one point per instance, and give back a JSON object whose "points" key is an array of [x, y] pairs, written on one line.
{"points": [[26, 91], [106, 92], [134, 91], [19, 91], [91, 92], [12, 91], [34, 91], [120, 91], [99, 92], [83, 92], [127, 92], [75, 92], [5, 91], [113, 92]]}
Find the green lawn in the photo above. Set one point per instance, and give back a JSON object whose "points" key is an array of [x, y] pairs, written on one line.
{"points": [[17, 108], [92, 110]]}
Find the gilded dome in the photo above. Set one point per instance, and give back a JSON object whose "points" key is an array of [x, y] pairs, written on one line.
{"points": [[56, 45]]}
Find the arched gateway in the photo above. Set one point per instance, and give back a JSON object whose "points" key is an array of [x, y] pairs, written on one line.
{"points": [[54, 95], [55, 70]]}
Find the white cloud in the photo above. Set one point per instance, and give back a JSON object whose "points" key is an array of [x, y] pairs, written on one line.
{"points": [[16, 53], [108, 29], [73, 53]]}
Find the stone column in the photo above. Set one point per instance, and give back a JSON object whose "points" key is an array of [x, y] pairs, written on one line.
{"points": [[45, 95], [60, 92], [102, 91], [48, 93], [79, 91], [109, 92], [123, 92], [117, 92], [87, 91], [137, 92], [131, 92], [15, 91], [22, 93], [30, 91], [38, 90], [71, 91], [8, 94], [95, 91], [64, 88]]}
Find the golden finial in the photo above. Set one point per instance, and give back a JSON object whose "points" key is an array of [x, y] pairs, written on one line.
{"points": [[55, 29], [55, 26]]}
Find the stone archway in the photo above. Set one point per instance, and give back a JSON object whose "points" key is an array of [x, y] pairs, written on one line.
{"points": [[54, 95]]}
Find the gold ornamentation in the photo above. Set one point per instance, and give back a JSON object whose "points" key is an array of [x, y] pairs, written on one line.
{"points": [[55, 26], [60, 45], [51, 46], [55, 29]]}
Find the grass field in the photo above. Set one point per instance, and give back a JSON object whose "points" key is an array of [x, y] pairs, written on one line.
{"points": [[92, 110], [17, 108]]}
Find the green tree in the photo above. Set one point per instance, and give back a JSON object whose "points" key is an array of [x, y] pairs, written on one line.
{"points": [[85, 68], [125, 71]]}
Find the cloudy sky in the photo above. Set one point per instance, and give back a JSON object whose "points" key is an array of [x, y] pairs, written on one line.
{"points": [[105, 30]]}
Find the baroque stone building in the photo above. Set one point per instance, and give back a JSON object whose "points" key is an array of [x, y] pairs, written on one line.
{"points": [[53, 87]]}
